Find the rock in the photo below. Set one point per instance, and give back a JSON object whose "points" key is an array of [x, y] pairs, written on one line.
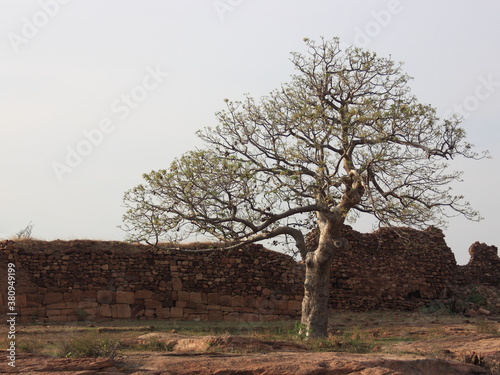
{"points": [[303, 364], [483, 311]]}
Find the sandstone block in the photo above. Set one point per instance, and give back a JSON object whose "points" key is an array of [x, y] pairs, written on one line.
{"points": [[76, 295], [87, 305], [237, 301], [250, 301], [121, 311], [183, 296], [20, 301], [105, 296], [231, 317], [225, 300], [213, 298], [105, 311], [294, 305], [152, 304], [52, 312], [215, 315], [176, 312], [143, 294], [250, 317], [176, 284], [163, 313], [33, 311], [60, 305], [50, 298], [195, 297], [125, 297]]}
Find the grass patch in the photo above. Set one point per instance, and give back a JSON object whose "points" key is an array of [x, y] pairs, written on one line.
{"points": [[89, 345]]}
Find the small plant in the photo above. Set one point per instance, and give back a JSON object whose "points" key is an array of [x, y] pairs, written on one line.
{"points": [[476, 298], [82, 314], [29, 345], [89, 345], [486, 327], [156, 345], [25, 233]]}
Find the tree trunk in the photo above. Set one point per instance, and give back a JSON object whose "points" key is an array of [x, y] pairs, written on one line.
{"points": [[317, 280]]}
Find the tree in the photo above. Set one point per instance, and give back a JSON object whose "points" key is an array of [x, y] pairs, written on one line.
{"points": [[345, 136]]}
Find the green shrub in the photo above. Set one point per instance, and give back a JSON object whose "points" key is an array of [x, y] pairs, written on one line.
{"points": [[89, 345]]}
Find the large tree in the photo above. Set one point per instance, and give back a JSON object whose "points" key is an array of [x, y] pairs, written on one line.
{"points": [[344, 136]]}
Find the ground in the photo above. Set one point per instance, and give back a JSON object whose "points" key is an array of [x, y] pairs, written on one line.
{"points": [[376, 343]]}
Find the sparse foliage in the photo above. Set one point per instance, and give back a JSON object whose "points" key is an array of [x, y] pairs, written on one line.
{"points": [[345, 136], [26, 232]]}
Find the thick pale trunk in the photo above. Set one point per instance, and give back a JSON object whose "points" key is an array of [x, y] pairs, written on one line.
{"points": [[316, 295], [317, 280]]}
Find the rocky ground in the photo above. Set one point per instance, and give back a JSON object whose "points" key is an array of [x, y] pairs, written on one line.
{"points": [[396, 344]]}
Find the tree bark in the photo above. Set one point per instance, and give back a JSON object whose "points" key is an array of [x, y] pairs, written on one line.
{"points": [[317, 280]]}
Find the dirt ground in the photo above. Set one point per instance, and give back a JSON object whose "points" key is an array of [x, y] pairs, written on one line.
{"points": [[378, 343]]}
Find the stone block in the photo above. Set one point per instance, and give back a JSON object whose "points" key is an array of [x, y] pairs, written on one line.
{"points": [[152, 304], [163, 313], [295, 305], [150, 313], [71, 305], [231, 317], [215, 315], [121, 311], [33, 311], [176, 312], [34, 300], [183, 296], [104, 311], [176, 284], [51, 298], [52, 312], [87, 305], [213, 298], [21, 301], [248, 317], [143, 294], [250, 301], [195, 297], [89, 295], [60, 305], [125, 297], [225, 300], [105, 296], [237, 301], [76, 295]]}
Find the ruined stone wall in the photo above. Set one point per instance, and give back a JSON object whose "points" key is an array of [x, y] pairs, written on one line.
{"points": [[387, 269], [64, 281]]}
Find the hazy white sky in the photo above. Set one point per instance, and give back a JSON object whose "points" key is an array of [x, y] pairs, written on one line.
{"points": [[95, 93]]}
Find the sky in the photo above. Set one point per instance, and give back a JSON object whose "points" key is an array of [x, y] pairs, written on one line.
{"points": [[95, 93]]}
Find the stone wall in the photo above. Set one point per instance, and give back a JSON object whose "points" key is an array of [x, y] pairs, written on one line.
{"points": [[387, 269], [64, 281]]}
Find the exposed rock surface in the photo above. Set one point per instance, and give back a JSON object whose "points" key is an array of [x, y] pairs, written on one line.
{"points": [[294, 363]]}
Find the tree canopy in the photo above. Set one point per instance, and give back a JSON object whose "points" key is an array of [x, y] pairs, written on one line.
{"points": [[344, 136]]}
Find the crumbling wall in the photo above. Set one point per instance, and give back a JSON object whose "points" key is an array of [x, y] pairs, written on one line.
{"points": [[391, 268], [64, 281], [388, 269]]}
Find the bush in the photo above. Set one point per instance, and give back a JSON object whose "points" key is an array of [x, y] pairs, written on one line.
{"points": [[89, 345]]}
